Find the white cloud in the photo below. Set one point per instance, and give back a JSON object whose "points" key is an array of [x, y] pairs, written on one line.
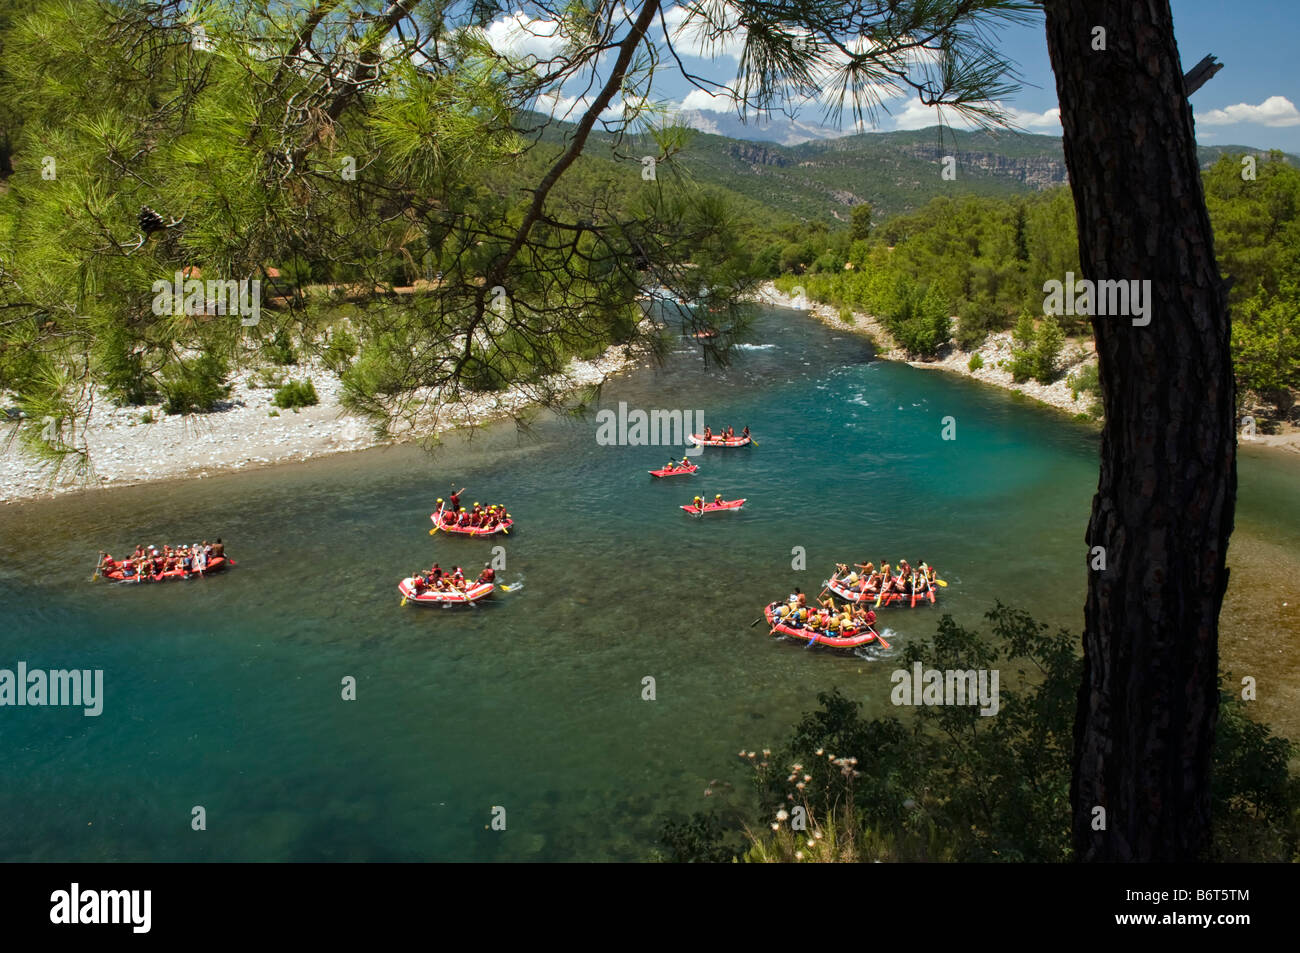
{"points": [[561, 107], [702, 99], [1274, 111], [690, 39], [1048, 120], [519, 36], [915, 115]]}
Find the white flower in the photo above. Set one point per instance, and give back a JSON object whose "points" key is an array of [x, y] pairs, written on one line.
{"points": [[781, 815]]}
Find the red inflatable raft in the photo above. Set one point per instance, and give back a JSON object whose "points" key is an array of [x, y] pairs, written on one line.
{"points": [[714, 507], [856, 593], [472, 530], [675, 471], [844, 639], [472, 592], [716, 441], [215, 564]]}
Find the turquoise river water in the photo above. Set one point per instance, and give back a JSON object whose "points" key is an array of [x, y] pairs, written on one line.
{"points": [[226, 693]]}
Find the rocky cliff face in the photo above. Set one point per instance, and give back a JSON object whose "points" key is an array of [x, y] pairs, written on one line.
{"points": [[756, 154], [1040, 172]]}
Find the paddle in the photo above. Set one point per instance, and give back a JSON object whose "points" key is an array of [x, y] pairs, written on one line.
{"points": [[881, 639], [98, 566], [437, 524], [912, 585], [459, 593]]}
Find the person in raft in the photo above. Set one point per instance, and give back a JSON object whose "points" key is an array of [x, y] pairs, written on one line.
{"points": [[864, 616], [717, 498], [672, 465], [686, 461], [745, 433], [454, 500], [731, 432], [708, 433], [458, 578], [487, 575], [699, 504]]}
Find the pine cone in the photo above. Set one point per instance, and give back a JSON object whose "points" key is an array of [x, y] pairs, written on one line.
{"points": [[150, 221]]}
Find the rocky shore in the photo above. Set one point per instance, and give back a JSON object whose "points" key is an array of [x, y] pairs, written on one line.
{"points": [[995, 355], [130, 445]]}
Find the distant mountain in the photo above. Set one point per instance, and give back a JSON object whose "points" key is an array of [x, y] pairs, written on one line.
{"points": [[822, 179], [894, 171], [781, 130]]}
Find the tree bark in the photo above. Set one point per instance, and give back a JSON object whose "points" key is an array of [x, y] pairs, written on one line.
{"points": [[1164, 505]]}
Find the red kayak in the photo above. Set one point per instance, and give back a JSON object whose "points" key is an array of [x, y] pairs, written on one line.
{"points": [[472, 592], [856, 592], [675, 471], [215, 564], [714, 507], [841, 639], [472, 530], [716, 441]]}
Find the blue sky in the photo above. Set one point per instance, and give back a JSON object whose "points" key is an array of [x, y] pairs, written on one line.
{"points": [[1256, 42], [1252, 101]]}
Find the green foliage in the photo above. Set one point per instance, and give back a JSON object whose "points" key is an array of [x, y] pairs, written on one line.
{"points": [[952, 784], [975, 362], [296, 394], [195, 386], [1023, 363], [860, 221], [1255, 801], [122, 362], [947, 783], [278, 349], [1047, 350], [1086, 380], [701, 839], [1266, 339], [1256, 221], [976, 319], [340, 351]]}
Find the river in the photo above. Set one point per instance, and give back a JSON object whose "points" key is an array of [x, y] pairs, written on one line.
{"points": [[226, 693]]}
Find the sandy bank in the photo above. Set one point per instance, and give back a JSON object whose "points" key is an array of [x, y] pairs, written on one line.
{"points": [[249, 431]]}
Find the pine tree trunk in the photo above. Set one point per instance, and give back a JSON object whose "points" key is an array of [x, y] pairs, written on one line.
{"points": [[1164, 505]]}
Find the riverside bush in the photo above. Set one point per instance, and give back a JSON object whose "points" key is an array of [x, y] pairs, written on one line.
{"points": [[279, 349], [296, 394], [195, 385], [340, 351], [945, 783], [975, 362], [1047, 350], [1086, 380]]}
